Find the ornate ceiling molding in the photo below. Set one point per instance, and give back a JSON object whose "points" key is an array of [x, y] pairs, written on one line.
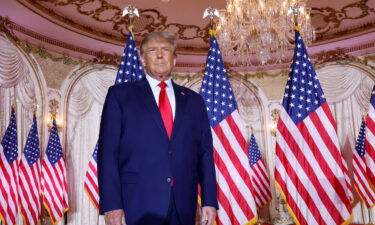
{"points": [[8, 28], [102, 11], [149, 20], [330, 19]]}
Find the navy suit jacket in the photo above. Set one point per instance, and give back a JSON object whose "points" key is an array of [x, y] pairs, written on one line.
{"points": [[137, 162]]}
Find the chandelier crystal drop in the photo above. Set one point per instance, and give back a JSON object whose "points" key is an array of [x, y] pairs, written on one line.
{"points": [[260, 32]]}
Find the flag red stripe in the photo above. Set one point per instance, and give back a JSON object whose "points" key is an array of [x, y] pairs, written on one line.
{"points": [[236, 193], [29, 206], [237, 133], [305, 195], [232, 155], [370, 124], [329, 115], [370, 149], [54, 208], [2, 210], [93, 183], [11, 191], [224, 202], [65, 187], [358, 160], [93, 169], [292, 204], [256, 195], [308, 170], [260, 168], [259, 197], [6, 212], [62, 167], [264, 190], [14, 191], [36, 177], [57, 207], [56, 191], [367, 195], [50, 207], [26, 196], [331, 177], [335, 152], [58, 171], [262, 194], [4, 195], [29, 184], [91, 195], [333, 148]]}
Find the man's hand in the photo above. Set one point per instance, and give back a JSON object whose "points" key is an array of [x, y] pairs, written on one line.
{"points": [[208, 215], [114, 217]]}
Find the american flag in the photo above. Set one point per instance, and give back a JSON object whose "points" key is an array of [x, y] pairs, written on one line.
{"points": [[235, 191], [370, 140], [29, 178], [130, 70], [54, 187], [91, 180], [9, 173], [361, 180], [259, 175], [310, 171]]}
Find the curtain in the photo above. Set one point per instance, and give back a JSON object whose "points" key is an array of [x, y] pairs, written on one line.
{"points": [[19, 86], [85, 104], [348, 89]]}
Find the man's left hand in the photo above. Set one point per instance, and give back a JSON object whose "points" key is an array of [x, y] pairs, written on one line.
{"points": [[208, 215]]}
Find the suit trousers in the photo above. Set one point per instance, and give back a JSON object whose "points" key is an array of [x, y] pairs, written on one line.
{"points": [[172, 215]]}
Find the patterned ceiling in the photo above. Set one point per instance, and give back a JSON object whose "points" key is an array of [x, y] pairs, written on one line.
{"points": [[102, 18], [95, 29]]}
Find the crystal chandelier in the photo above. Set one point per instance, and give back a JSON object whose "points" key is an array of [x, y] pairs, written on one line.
{"points": [[260, 32]]}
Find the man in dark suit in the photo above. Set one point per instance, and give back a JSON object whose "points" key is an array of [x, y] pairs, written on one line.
{"points": [[155, 147]]}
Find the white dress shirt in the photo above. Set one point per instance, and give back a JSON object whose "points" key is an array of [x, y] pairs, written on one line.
{"points": [[156, 91]]}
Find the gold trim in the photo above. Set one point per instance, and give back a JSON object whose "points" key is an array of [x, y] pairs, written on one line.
{"points": [[362, 199], [49, 211], [346, 222], [91, 200]]}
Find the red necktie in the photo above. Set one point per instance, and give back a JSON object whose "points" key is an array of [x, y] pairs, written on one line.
{"points": [[165, 109]]}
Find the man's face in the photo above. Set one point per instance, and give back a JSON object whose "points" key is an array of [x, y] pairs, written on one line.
{"points": [[158, 59]]}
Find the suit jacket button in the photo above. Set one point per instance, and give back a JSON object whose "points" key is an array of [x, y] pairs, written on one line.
{"points": [[170, 152], [169, 179]]}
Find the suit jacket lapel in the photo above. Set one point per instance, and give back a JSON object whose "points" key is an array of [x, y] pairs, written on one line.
{"points": [[180, 97], [147, 98]]}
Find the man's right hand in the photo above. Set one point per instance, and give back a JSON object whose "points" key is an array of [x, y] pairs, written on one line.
{"points": [[114, 217]]}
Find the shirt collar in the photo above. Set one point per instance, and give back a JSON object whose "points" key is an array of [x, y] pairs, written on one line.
{"points": [[154, 83]]}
